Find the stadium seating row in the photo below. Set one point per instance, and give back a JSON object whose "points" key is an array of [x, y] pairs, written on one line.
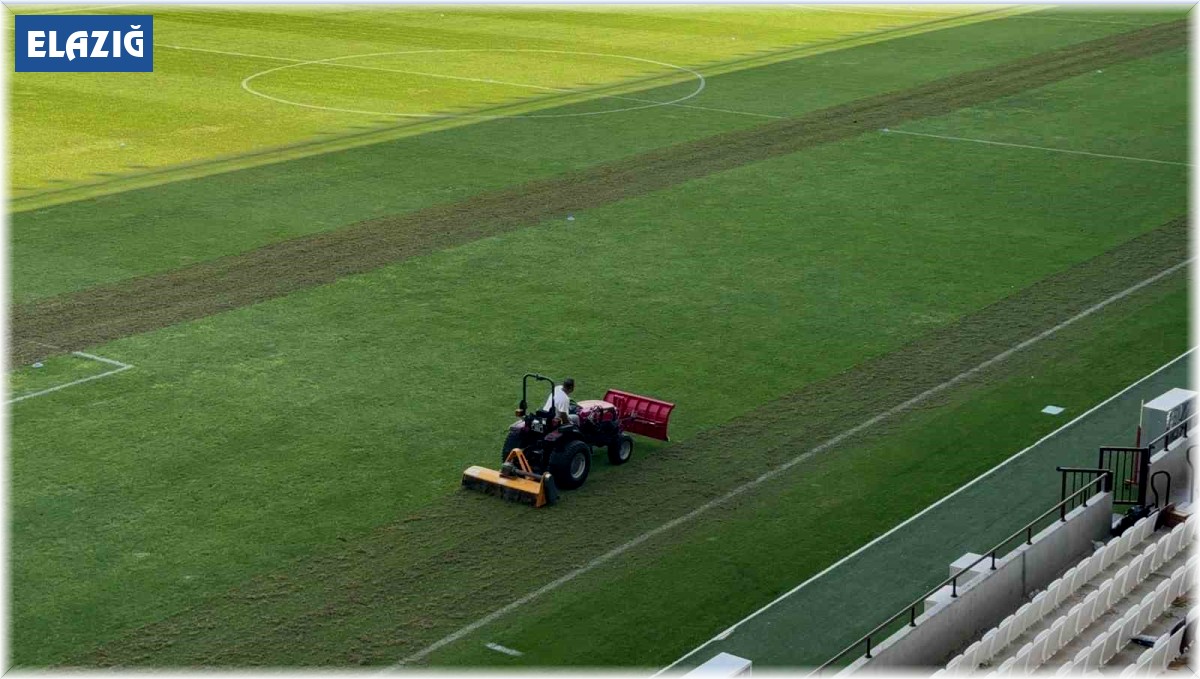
{"points": [[1108, 643], [1064, 629], [1165, 650]]}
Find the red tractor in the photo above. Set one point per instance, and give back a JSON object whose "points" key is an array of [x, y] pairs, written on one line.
{"points": [[548, 446]]}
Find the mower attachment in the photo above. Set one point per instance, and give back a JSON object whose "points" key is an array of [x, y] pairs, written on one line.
{"points": [[641, 414], [515, 481]]}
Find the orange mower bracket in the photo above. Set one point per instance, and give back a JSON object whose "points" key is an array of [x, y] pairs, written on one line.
{"points": [[515, 481]]}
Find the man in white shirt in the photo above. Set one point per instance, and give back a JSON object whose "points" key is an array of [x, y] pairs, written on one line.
{"points": [[561, 400]]}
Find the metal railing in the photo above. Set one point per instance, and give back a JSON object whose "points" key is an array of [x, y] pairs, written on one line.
{"points": [[1131, 469], [1174, 433], [1073, 479], [1103, 477]]}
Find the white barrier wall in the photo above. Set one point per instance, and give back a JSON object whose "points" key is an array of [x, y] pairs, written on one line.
{"points": [[984, 601], [1174, 461]]}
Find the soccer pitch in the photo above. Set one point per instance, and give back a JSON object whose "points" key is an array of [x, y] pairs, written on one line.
{"points": [[281, 291]]}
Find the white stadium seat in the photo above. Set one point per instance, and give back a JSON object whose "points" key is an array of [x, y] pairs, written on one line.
{"points": [[1147, 564], [1080, 659], [1114, 641], [1147, 527], [1038, 654], [1090, 612], [1119, 578], [1056, 640], [988, 646], [1105, 598], [1177, 583], [1095, 565], [1135, 569], [1065, 581], [1110, 553], [1072, 626], [971, 656], [1124, 543], [1080, 575], [1129, 622], [1096, 652], [1145, 606]]}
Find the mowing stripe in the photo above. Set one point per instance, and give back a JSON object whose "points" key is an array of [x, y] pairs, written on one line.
{"points": [[120, 367], [732, 628], [93, 316], [766, 476], [207, 166], [887, 130]]}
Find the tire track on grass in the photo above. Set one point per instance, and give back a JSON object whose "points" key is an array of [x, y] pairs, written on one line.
{"points": [[93, 316], [392, 593]]}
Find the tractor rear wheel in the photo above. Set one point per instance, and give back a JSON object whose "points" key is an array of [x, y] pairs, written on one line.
{"points": [[513, 440], [570, 465], [621, 449]]}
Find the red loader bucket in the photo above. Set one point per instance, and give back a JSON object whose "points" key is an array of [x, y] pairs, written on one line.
{"points": [[641, 414]]}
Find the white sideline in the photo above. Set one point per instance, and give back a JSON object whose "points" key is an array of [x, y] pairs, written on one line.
{"points": [[887, 130], [725, 634], [925, 395], [120, 367]]}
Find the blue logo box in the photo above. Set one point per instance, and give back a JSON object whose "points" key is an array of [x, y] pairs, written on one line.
{"points": [[96, 43]]}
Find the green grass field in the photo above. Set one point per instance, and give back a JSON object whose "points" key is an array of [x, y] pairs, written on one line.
{"points": [[275, 482]]}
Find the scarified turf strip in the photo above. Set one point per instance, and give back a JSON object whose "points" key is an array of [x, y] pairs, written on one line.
{"points": [[85, 318], [380, 597]]}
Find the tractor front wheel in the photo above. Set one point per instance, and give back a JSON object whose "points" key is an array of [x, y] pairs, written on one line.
{"points": [[621, 449], [513, 440], [570, 465]]}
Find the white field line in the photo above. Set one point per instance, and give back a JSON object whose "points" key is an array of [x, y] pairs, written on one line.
{"points": [[120, 367], [1035, 148], [950, 16], [725, 634], [360, 67], [503, 649], [868, 13], [468, 79], [75, 9], [766, 476], [1081, 21]]}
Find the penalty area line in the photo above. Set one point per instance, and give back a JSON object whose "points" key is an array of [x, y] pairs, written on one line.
{"points": [[775, 471], [118, 367], [1035, 148]]}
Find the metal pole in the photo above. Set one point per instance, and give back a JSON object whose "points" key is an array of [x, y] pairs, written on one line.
{"points": [[1143, 475], [1062, 510]]}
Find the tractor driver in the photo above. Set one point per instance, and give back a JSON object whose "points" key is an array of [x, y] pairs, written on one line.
{"points": [[561, 400]]}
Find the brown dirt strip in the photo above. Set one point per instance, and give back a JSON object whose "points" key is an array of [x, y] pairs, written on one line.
{"points": [[377, 598], [78, 320]]}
